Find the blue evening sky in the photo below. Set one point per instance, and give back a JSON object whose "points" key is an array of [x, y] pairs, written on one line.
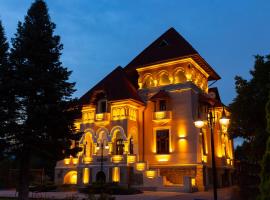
{"points": [[100, 35]]}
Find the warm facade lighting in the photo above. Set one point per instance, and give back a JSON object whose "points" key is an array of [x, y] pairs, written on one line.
{"points": [[204, 158], [199, 123], [131, 159], [67, 161], [86, 175], [151, 173], [160, 115], [116, 174], [140, 166], [162, 158], [224, 120], [228, 161], [75, 161], [117, 158], [87, 160], [193, 182], [99, 116], [73, 179]]}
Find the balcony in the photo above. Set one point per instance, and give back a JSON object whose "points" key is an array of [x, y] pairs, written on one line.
{"points": [[162, 116], [102, 117]]}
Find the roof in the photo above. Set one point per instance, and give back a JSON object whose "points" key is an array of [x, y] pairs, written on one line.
{"points": [[212, 100], [115, 86], [162, 94], [169, 46]]}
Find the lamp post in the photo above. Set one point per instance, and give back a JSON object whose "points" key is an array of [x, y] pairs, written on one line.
{"points": [[199, 123]]}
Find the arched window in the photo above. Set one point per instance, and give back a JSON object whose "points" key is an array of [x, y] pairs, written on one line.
{"points": [[164, 79], [71, 178], [118, 143], [87, 145], [180, 77], [148, 82], [119, 147]]}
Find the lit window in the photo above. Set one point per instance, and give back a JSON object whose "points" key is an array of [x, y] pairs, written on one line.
{"points": [[164, 79], [149, 82], [162, 140], [116, 174], [180, 77]]}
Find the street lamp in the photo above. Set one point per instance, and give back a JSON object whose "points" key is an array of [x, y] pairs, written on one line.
{"points": [[211, 122]]}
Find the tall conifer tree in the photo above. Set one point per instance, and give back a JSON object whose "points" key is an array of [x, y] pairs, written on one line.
{"points": [[265, 165], [43, 93], [6, 95]]}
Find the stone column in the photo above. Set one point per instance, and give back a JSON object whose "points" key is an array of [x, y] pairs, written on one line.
{"points": [[200, 178]]}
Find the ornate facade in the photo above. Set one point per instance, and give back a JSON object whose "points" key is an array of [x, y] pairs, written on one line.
{"points": [[138, 123]]}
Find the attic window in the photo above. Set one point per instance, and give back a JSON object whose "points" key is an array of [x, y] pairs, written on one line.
{"points": [[163, 43]]}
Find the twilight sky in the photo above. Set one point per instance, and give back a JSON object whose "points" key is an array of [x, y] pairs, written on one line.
{"points": [[102, 34]]}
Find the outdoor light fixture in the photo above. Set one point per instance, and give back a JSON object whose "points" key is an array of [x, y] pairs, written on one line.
{"points": [[199, 123], [224, 120], [211, 123]]}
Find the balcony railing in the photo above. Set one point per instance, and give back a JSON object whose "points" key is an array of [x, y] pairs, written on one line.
{"points": [[102, 117], [162, 115]]}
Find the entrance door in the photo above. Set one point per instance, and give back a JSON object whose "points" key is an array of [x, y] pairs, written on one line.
{"points": [[101, 177]]}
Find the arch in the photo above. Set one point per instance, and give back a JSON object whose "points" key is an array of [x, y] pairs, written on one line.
{"points": [[90, 132], [100, 177], [114, 132], [163, 78], [179, 75], [87, 143], [118, 139], [71, 177], [102, 134], [148, 81]]}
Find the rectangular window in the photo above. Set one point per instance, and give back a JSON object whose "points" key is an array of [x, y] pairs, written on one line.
{"points": [[115, 174], [162, 105], [102, 106], [86, 175], [162, 141]]}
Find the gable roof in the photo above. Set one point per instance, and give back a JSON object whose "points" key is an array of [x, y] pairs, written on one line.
{"points": [[115, 86], [169, 46]]}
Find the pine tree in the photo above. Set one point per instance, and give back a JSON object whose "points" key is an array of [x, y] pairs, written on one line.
{"points": [[6, 96], [3, 65], [265, 165], [45, 108]]}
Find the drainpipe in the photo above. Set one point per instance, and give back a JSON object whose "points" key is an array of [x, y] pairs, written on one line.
{"points": [[143, 132]]}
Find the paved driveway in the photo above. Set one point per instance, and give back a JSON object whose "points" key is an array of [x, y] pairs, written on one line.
{"points": [[223, 194]]}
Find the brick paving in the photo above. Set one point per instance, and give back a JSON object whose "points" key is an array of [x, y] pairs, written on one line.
{"points": [[223, 194]]}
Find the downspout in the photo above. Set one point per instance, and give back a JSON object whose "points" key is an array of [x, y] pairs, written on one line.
{"points": [[143, 132]]}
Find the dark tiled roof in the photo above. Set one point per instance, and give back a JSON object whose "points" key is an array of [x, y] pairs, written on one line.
{"points": [[209, 100], [115, 86], [169, 46], [160, 95], [215, 90]]}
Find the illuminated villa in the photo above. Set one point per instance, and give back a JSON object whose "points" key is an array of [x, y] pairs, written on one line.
{"points": [[138, 124]]}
